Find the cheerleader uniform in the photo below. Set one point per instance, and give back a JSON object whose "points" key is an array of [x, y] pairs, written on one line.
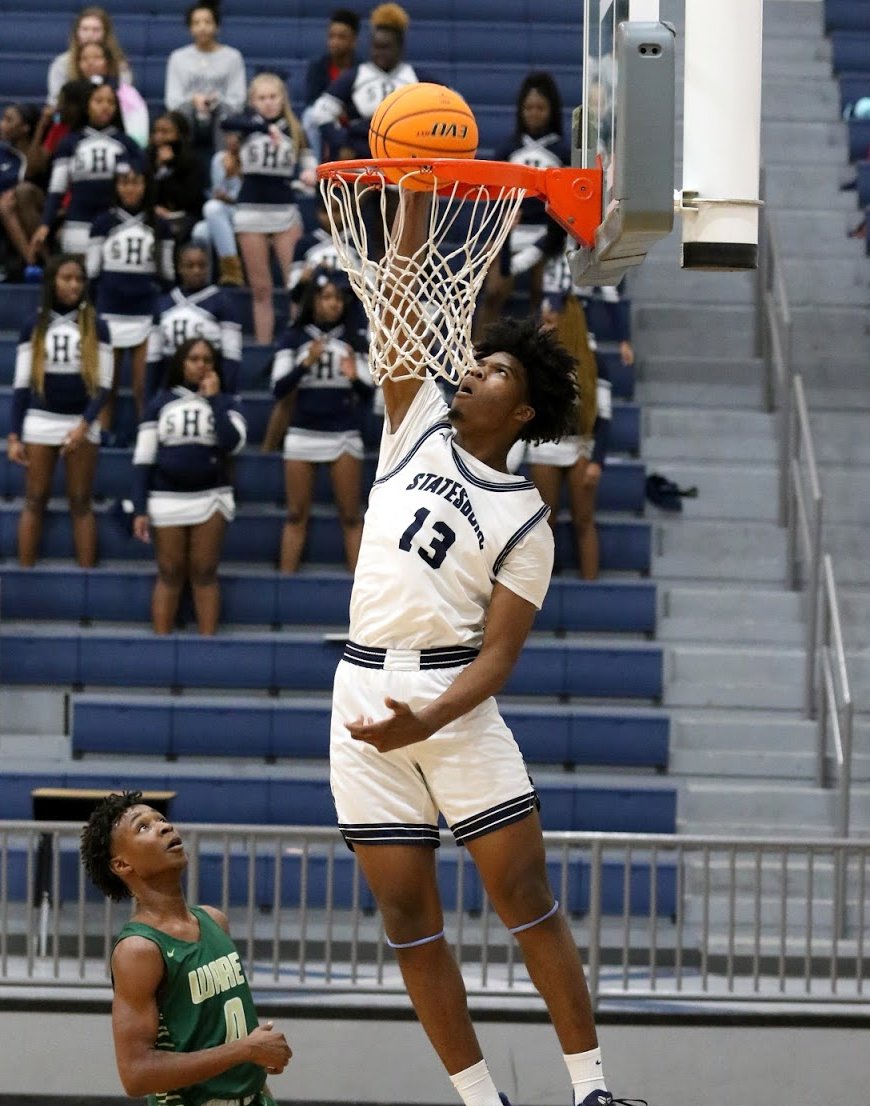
{"points": [[84, 163], [355, 96], [126, 259], [181, 475], [269, 168], [46, 418], [536, 236], [327, 416], [209, 313], [315, 250]]}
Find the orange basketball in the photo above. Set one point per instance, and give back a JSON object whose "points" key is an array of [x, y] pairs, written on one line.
{"points": [[422, 121]]}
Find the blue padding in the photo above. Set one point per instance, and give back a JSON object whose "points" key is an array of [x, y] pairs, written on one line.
{"points": [[587, 671], [115, 726], [859, 139], [846, 15], [37, 593], [300, 803], [255, 537], [117, 596], [233, 731], [131, 660], [226, 662], [853, 86], [291, 729], [297, 662], [863, 168], [850, 52]]}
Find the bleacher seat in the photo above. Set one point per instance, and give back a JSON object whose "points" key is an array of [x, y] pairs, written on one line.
{"points": [[847, 15], [299, 729], [298, 661], [850, 52], [277, 800], [270, 599]]}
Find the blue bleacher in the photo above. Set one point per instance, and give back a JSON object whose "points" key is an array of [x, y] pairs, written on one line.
{"points": [[296, 661], [847, 15], [271, 800], [271, 599], [850, 52], [299, 728], [255, 537]]}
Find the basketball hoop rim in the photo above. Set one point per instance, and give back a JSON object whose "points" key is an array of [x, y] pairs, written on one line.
{"points": [[572, 196]]}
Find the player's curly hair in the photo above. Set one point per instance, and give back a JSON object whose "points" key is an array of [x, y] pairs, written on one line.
{"points": [[96, 843], [392, 17], [551, 373]]}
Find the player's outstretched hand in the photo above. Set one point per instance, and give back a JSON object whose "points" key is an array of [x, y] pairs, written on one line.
{"points": [[402, 728], [269, 1048]]}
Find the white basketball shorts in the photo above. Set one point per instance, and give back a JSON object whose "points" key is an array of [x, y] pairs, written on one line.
{"points": [[471, 771]]}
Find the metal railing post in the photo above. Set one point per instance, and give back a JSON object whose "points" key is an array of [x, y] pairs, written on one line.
{"points": [[595, 889]]}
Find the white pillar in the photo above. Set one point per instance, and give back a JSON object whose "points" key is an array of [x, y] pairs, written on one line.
{"points": [[722, 133], [643, 11]]}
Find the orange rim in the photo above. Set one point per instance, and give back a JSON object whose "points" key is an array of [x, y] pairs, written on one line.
{"points": [[571, 196]]}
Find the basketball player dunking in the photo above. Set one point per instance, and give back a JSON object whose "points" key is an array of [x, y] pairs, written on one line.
{"points": [[455, 561]]}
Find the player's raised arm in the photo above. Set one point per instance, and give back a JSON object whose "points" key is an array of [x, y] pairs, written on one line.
{"points": [[402, 309]]}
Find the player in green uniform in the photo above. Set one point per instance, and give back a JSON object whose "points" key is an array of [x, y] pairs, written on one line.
{"points": [[183, 1019]]}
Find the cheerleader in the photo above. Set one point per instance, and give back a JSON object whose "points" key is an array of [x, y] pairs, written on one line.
{"points": [[182, 492], [323, 362], [273, 154], [538, 141], [195, 309], [578, 458], [85, 163], [129, 258], [63, 371]]}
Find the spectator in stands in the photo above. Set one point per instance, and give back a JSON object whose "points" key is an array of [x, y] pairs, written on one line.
{"points": [[579, 458], [90, 25], [131, 852], [85, 163], [183, 493], [17, 125], [341, 39], [206, 80], [63, 371], [177, 173], [537, 140], [130, 257], [195, 309], [324, 363], [97, 64], [217, 227], [355, 95], [274, 157]]}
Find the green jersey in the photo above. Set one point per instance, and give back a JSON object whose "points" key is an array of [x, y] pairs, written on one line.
{"points": [[203, 1001]]}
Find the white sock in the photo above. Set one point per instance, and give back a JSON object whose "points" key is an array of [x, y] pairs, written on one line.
{"points": [[586, 1073], [475, 1087]]}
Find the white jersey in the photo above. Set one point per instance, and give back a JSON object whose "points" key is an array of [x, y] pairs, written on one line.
{"points": [[440, 530]]}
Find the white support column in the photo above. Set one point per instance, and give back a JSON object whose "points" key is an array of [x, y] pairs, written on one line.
{"points": [[722, 133], [643, 11]]}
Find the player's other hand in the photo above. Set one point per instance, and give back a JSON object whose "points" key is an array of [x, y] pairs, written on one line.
{"points": [[269, 1048], [402, 728]]}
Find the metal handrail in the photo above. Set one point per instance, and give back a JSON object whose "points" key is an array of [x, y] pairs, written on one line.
{"points": [[827, 694], [698, 918]]}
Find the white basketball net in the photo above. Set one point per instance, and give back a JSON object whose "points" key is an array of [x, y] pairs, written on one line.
{"points": [[420, 308]]}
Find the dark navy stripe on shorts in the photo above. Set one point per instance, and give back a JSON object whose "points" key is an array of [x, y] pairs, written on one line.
{"points": [[447, 656], [496, 817], [389, 833]]}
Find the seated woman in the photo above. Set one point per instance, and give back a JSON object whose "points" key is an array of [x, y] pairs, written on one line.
{"points": [[92, 24], [195, 309], [63, 370], [182, 491], [217, 229], [323, 362], [18, 219], [178, 180]]}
